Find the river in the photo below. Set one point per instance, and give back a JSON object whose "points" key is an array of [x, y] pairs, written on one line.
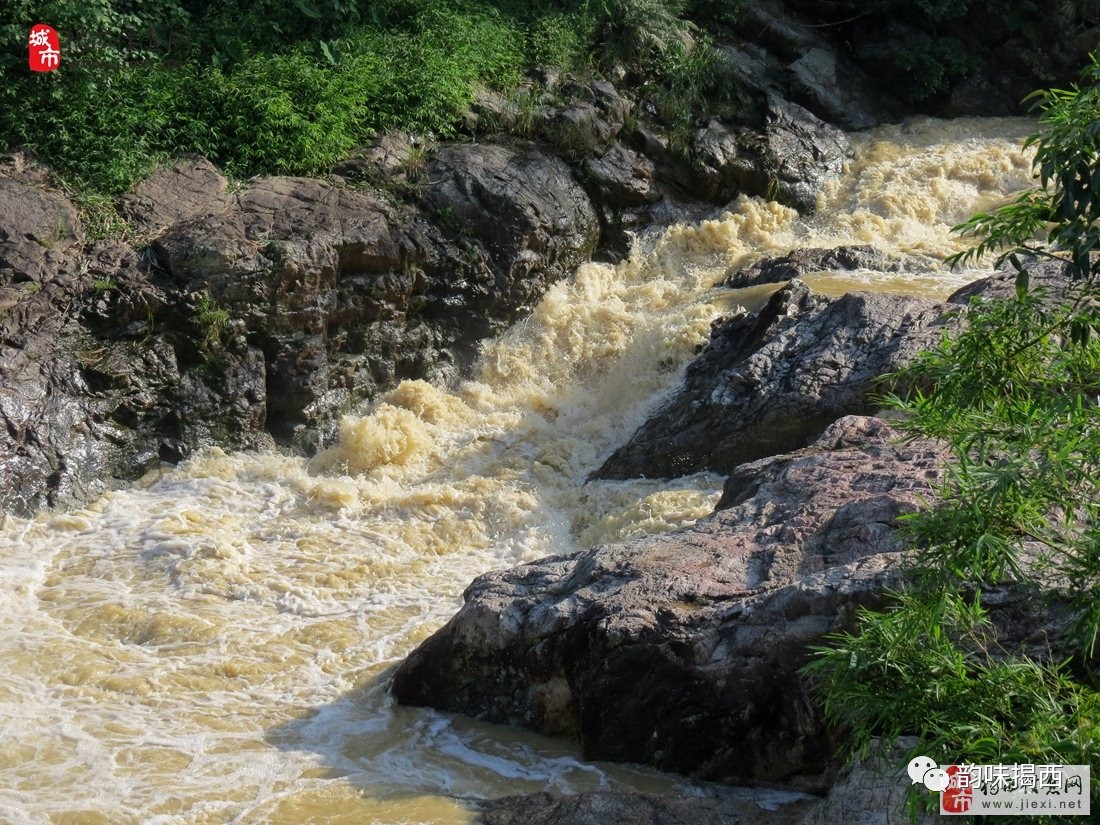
{"points": [[212, 644]]}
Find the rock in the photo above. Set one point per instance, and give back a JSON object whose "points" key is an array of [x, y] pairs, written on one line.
{"points": [[531, 219], [622, 178], [771, 24], [389, 159], [789, 161], [753, 67], [38, 228], [587, 122], [101, 379], [869, 794], [255, 315], [184, 189], [771, 383], [799, 262], [604, 807], [832, 90], [863, 794], [682, 650], [1049, 276]]}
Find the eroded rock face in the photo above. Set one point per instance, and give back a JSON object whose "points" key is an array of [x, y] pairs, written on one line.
{"points": [[187, 188], [38, 229], [682, 650], [770, 383], [531, 219], [257, 314], [623, 178], [789, 160]]}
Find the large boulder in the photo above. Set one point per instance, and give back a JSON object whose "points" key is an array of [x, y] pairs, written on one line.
{"points": [[255, 315], [789, 160], [532, 220], [38, 228], [771, 382], [683, 650], [621, 178], [186, 188]]}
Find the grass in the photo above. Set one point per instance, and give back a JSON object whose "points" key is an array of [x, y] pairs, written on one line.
{"points": [[213, 322], [266, 88]]}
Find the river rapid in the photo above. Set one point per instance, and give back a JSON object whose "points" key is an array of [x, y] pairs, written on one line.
{"points": [[212, 645]]}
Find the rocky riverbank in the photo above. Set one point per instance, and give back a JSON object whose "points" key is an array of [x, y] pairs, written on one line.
{"points": [[257, 314], [685, 650], [253, 313]]}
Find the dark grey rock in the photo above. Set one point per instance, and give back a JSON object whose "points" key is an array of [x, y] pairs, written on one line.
{"points": [[834, 91], [682, 650], [622, 178], [863, 794], [1050, 276], [799, 262], [254, 315], [772, 382], [789, 160], [38, 228]]}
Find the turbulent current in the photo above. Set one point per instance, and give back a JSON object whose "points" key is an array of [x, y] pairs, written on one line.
{"points": [[213, 645]]}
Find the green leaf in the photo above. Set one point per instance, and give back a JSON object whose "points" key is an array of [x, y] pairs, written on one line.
{"points": [[308, 9]]}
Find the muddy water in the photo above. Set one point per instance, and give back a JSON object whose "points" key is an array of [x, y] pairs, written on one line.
{"points": [[211, 646]]}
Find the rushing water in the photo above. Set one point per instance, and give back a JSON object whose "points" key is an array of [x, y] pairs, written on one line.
{"points": [[212, 645]]}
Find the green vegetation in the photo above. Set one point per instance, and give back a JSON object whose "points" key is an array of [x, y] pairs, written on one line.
{"points": [[946, 40], [1016, 395], [272, 87], [213, 323]]}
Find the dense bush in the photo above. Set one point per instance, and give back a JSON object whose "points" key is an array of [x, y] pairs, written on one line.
{"points": [[289, 87], [1016, 395], [932, 44]]}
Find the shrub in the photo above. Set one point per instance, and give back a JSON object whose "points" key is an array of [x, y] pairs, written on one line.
{"points": [[1016, 395]]}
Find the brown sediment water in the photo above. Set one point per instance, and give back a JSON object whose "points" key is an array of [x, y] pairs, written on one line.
{"points": [[212, 645]]}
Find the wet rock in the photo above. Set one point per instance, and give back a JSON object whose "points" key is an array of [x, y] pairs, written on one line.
{"points": [[37, 229], [683, 650], [256, 315], [603, 807], [771, 382], [184, 189], [1052, 277], [789, 160], [799, 262], [530, 220], [833, 91], [622, 178], [864, 793], [102, 377]]}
